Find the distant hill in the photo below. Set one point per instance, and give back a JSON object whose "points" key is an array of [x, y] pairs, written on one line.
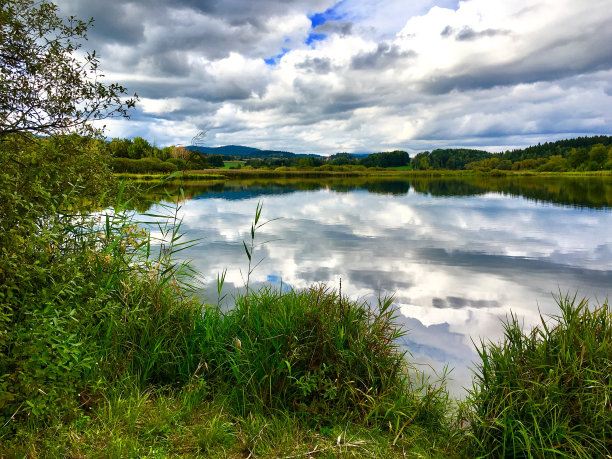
{"points": [[230, 150], [247, 152]]}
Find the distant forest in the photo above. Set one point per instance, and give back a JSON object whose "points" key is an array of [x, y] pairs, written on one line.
{"points": [[580, 154], [138, 156]]}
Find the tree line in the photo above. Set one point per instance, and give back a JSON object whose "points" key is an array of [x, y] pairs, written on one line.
{"points": [[580, 154], [138, 156], [384, 159]]}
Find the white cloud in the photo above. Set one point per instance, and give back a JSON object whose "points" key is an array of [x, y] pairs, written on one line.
{"points": [[485, 73]]}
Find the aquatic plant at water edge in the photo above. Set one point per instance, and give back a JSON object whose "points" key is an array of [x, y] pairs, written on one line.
{"points": [[548, 391]]}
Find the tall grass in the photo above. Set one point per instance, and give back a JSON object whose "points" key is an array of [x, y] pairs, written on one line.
{"points": [[547, 392], [317, 354]]}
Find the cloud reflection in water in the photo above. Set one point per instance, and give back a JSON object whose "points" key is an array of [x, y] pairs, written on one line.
{"points": [[455, 265]]}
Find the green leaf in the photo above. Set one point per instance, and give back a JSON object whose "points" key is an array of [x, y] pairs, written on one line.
{"points": [[246, 250]]}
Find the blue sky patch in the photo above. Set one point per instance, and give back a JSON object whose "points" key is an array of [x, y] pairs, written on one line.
{"points": [[275, 59], [312, 37], [328, 15], [274, 278]]}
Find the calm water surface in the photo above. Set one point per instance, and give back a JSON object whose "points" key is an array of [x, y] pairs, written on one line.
{"points": [[457, 255]]}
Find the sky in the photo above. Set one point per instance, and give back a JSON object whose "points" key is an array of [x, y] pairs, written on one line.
{"points": [[322, 76]]}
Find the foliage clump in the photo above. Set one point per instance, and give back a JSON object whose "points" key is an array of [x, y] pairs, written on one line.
{"points": [[46, 87], [548, 391], [319, 355], [83, 298]]}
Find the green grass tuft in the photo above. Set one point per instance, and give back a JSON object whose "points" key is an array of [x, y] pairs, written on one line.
{"points": [[549, 391], [312, 353]]}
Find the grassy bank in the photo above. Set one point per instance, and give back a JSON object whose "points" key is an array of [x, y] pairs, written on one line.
{"points": [[105, 350], [344, 172], [281, 374], [308, 373], [547, 391]]}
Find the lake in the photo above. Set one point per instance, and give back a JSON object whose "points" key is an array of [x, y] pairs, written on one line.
{"points": [[457, 255]]}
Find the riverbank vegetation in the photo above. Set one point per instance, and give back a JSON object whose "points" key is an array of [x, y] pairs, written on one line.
{"points": [[105, 347], [546, 392]]}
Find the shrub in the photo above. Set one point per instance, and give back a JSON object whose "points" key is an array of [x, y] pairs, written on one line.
{"points": [[547, 392], [141, 166], [81, 301], [45, 277], [180, 164], [319, 355]]}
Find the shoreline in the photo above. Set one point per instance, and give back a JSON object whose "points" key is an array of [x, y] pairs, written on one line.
{"points": [[234, 174]]}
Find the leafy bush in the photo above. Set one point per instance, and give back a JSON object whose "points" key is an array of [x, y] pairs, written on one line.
{"points": [[317, 354], [82, 301], [143, 165], [180, 164], [547, 392], [42, 237]]}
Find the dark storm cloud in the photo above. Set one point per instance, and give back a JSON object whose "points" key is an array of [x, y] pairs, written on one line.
{"points": [[383, 56]]}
